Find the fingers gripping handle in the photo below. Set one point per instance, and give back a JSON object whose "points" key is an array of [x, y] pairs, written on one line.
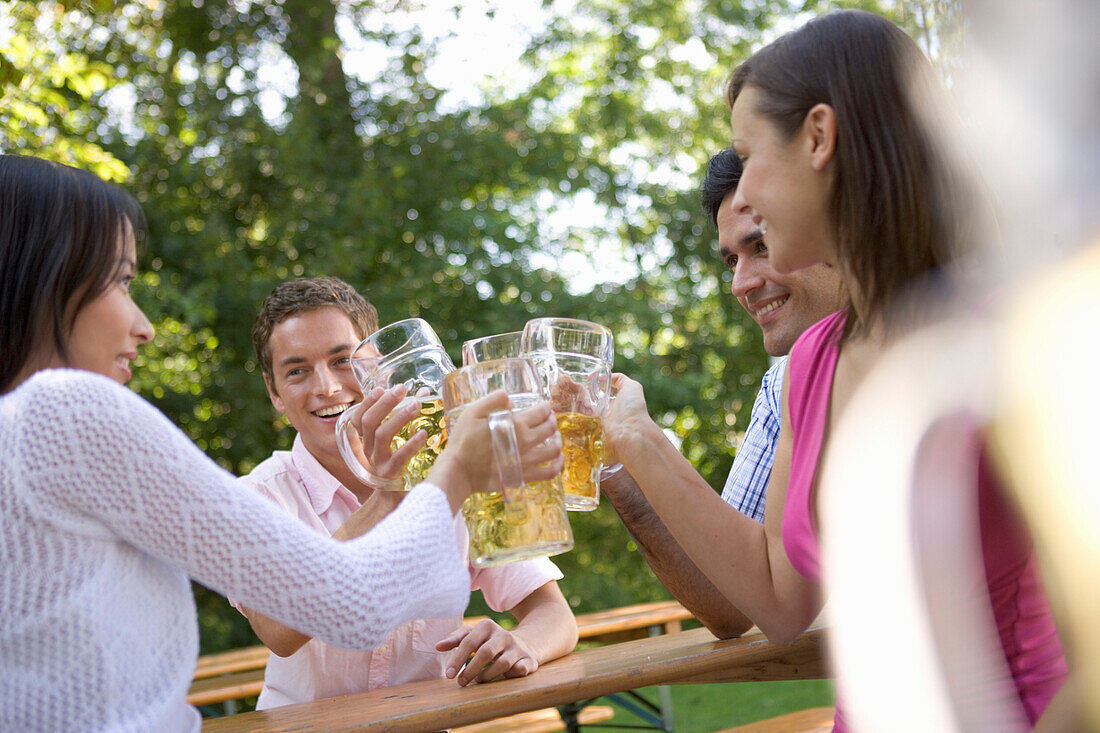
{"points": [[350, 457]]}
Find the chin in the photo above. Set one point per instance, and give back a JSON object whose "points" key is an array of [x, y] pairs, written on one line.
{"points": [[117, 374], [778, 348]]}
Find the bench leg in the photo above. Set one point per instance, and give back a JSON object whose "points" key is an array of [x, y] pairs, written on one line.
{"points": [[664, 697], [636, 704], [569, 713]]}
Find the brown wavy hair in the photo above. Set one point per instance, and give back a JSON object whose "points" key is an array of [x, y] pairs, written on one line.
{"points": [[898, 194], [300, 296]]}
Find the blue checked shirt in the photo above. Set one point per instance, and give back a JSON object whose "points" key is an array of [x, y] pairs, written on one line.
{"points": [[747, 484]]}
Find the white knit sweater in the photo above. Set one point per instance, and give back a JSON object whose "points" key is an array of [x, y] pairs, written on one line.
{"points": [[106, 509]]}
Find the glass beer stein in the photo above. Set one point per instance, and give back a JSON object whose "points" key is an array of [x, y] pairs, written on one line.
{"points": [[514, 520], [574, 360], [498, 346], [406, 352]]}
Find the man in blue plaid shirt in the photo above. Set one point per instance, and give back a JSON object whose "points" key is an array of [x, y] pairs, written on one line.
{"points": [[783, 306]]}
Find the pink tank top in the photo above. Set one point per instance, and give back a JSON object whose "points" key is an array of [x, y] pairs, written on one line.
{"points": [[1024, 621], [811, 365]]}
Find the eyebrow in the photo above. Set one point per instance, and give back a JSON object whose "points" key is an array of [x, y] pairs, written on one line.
{"points": [[754, 236], [301, 359]]}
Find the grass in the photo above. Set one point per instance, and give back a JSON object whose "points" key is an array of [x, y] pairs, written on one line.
{"points": [[713, 707]]}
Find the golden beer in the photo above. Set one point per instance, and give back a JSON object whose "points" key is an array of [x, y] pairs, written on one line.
{"points": [[537, 528], [582, 446], [431, 421]]}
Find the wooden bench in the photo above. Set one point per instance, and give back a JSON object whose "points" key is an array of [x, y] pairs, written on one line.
{"points": [[811, 720], [239, 673]]}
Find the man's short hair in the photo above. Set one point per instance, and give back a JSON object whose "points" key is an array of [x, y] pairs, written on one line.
{"points": [[301, 296], [723, 174]]}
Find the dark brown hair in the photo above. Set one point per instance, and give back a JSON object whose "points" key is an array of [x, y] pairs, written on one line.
{"points": [[723, 175], [897, 194], [303, 295], [60, 231]]}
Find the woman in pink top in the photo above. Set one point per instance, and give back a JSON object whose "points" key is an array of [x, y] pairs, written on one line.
{"points": [[842, 166]]}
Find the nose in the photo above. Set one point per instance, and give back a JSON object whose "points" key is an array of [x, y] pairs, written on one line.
{"points": [[739, 205], [142, 329], [327, 381], [746, 277]]}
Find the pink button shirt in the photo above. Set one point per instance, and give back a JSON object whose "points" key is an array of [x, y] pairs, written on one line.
{"points": [[297, 482]]}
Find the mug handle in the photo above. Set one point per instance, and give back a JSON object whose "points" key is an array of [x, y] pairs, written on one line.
{"points": [[502, 431], [357, 468]]}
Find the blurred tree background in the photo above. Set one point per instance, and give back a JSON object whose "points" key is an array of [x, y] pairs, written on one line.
{"points": [[261, 150]]}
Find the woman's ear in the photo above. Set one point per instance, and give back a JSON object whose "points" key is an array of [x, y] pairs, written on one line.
{"points": [[820, 129]]}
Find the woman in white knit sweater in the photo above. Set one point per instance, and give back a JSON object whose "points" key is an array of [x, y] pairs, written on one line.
{"points": [[106, 508]]}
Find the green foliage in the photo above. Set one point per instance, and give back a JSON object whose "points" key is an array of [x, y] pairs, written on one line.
{"points": [[936, 25], [45, 96]]}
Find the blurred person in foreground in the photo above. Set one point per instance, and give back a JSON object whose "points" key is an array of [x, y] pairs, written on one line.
{"points": [[304, 336], [783, 306], [106, 508], [842, 166], [1021, 370]]}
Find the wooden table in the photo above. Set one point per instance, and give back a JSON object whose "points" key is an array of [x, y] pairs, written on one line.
{"points": [[684, 657], [225, 677]]}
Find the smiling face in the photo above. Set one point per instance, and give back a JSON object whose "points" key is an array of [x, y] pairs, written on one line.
{"points": [[107, 332], [782, 305], [313, 380], [785, 184]]}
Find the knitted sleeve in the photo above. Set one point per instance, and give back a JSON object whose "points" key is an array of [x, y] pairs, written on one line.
{"points": [[96, 458]]}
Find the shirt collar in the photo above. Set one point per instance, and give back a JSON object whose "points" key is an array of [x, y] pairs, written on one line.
{"points": [[321, 485]]}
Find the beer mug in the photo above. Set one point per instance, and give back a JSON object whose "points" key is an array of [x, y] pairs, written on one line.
{"points": [[406, 352], [512, 520], [497, 346], [574, 360]]}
